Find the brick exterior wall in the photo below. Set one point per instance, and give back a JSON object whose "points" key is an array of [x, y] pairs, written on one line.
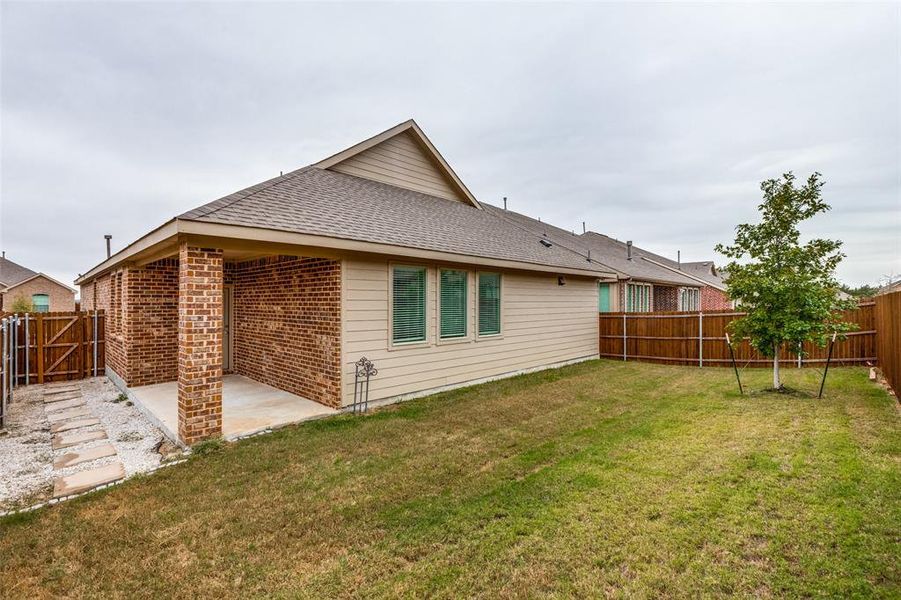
{"points": [[287, 324], [150, 323], [141, 306], [199, 343], [714, 299], [62, 299], [666, 297]]}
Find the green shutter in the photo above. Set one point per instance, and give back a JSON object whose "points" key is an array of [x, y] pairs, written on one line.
{"points": [[453, 304], [603, 297], [489, 303], [408, 288]]}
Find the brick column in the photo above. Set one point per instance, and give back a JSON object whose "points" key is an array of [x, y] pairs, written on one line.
{"points": [[199, 343]]}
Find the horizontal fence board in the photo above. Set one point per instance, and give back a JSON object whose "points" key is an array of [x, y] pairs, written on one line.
{"points": [[695, 338]]}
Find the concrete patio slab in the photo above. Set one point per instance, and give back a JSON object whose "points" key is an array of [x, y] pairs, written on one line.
{"points": [[77, 457], [61, 397], [74, 438], [86, 480], [247, 406], [72, 413], [64, 405], [77, 424]]}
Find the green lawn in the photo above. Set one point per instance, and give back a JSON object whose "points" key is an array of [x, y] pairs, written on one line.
{"points": [[598, 479]]}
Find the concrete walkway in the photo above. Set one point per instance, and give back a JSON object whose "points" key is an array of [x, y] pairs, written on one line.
{"points": [[70, 418]]}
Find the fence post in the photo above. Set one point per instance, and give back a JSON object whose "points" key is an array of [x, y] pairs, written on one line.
{"points": [[27, 352], [39, 346], [624, 337], [700, 338], [94, 346]]}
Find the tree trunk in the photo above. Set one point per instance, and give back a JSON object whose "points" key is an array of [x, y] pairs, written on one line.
{"points": [[776, 383]]}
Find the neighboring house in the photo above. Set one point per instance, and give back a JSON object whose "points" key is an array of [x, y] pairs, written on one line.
{"points": [[890, 288], [42, 292], [644, 281], [379, 251]]}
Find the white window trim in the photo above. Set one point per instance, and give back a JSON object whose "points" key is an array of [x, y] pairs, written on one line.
{"points": [[471, 323], [489, 336], [428, 311], [650, 305]]}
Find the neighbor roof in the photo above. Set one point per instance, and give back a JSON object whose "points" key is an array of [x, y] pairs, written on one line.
{"points": [[604, 250], [12, 273]]}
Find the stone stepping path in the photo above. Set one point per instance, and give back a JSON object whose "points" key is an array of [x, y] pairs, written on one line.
{"points": [[75, 438], [87, 480], [76, 424], [70, 459], [70, 419]]}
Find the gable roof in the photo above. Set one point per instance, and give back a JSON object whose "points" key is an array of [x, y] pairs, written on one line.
{"points": [[604, 250], [12, 273], [403, 156], [322, 202]]}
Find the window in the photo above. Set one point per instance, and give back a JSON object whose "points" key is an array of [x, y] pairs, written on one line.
{"points": [[638, 297], [452, 292], [408, 305], [689, 299], [489, 303], [603, 297], [40, 303]]}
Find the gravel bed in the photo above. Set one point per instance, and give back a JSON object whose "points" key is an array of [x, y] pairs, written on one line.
{"points": [[26, 471], [26, 458]]}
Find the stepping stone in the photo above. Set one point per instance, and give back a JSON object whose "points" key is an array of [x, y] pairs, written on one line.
{"points": [[60, 397], [77, 424], [74, 438], [63, 415], [86, 480], [65, 404], [76, 457]]}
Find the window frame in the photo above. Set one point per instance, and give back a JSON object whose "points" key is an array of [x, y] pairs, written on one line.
{"points": [[500, 309], [694, 293], [470, 323], [34, 304], [426, 341], [646, 298]]}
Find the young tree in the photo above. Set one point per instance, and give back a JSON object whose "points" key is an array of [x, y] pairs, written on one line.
{"points": [[21, 304], [787, 288]]}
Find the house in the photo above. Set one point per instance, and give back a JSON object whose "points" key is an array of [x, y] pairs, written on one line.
{"points": [[644, 281], [41, 292], [253, 310]]}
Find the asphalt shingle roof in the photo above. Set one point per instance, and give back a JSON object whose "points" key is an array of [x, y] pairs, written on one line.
{"points": [[12, 273], [316, 201], [609, 252]]}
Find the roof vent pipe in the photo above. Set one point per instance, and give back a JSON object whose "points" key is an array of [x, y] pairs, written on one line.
{"points": [[505, 203], [583, 227], [629, 249], [679, 259], [107, 237]]}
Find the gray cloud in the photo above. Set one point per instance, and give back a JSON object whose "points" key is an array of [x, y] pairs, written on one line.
{"points": [[651, 122]]}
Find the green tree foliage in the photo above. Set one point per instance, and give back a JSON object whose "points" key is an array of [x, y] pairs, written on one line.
{"points": [[788, 288], [863, 291], [21, 304]]}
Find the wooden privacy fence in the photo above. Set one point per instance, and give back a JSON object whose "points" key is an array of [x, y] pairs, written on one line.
{"points": [[46, 347], [697, 338], [888, 342]]}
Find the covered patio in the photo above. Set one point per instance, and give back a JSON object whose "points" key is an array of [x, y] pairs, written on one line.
{"points": [[248, 406]]}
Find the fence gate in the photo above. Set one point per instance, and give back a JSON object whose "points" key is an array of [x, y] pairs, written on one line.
{"points": [[46, 347]]}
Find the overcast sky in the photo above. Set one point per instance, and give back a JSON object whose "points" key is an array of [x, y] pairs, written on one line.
{"points": [[653, 123]]}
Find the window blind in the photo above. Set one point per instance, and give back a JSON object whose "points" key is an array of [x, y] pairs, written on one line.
{"points": [[408, 306], [453, 303], [40, 303], [489, 303]]}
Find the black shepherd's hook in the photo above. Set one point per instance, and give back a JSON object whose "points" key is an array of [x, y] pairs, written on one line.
{"points": [[828, 360], [364, 370], [734, 366]]}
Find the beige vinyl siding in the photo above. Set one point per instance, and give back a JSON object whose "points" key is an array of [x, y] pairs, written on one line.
{"points": [[400, 161], [542, 323]]}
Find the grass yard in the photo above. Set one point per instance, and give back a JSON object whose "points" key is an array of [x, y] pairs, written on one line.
{"points": [[597, 479]]}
